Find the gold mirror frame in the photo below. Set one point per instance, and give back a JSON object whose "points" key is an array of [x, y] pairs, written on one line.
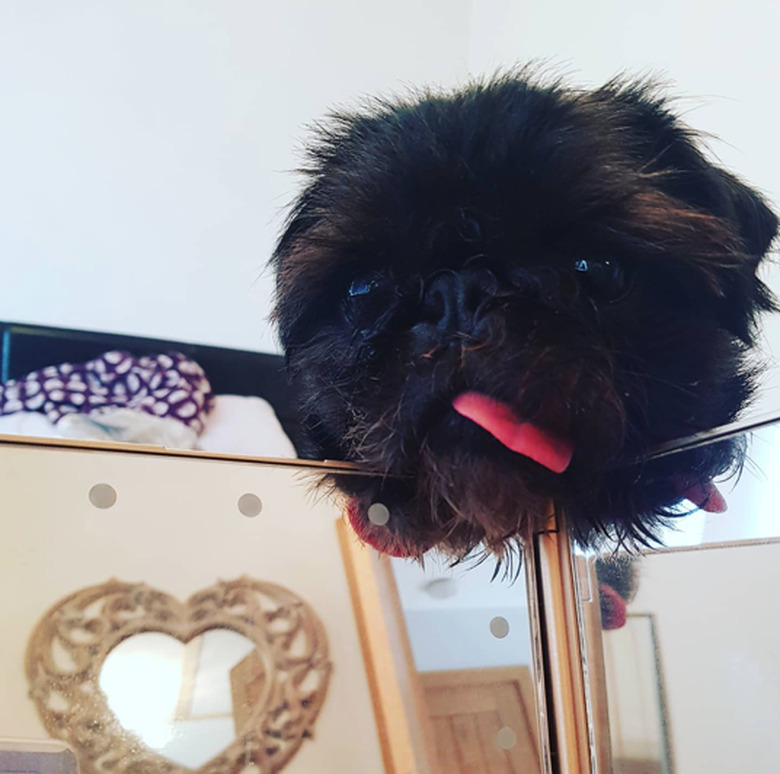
{"points": [[87, 625], [565, 712]]}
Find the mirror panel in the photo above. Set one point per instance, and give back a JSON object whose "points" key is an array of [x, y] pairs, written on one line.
{"points": [[142, 630], [680, 643], [470, 636]]}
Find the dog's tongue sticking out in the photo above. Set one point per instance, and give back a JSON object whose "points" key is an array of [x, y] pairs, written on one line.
{"points": [[707, 496], [525, 438]]}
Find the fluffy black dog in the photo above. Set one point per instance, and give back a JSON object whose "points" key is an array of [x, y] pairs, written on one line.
{"points": [[502, 297]]}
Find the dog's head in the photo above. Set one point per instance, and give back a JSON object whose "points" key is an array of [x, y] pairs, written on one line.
{"points": [[500, 297]]}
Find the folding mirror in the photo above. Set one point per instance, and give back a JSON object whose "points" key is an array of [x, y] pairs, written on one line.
{"points": [[172, 612], [665, 660]]}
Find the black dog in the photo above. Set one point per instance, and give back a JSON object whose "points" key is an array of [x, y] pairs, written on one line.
{"points": [[502, 297]]}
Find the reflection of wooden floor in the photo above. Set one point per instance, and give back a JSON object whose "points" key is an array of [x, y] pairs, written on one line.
{"points": [[469, 708]]}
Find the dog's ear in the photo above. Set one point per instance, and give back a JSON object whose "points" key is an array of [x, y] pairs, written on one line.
{"points": [[755, 222], [671, 150], [670, 147], [755, 225]]}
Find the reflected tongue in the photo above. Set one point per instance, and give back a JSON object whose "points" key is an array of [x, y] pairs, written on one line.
{"points": [[522, 437]]}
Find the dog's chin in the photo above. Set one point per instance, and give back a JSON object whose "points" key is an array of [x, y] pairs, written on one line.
{"points": [[459, 486], [458, 502]]}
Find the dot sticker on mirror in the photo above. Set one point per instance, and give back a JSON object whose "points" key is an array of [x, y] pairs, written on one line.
{"points": [[506, 739], [250, 505], [499, 627], [102, 496], [378, 514]]}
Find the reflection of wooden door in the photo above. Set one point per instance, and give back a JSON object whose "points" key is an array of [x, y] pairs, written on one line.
{"points": [[477, 713]]}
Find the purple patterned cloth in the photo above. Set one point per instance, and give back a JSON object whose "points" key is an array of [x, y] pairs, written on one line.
{"points": [[164, 386]]}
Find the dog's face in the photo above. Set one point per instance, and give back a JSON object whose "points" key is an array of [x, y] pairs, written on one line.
{"points": [[501, 297]]}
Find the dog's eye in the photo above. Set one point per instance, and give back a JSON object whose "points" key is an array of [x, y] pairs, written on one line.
{"points": [[362, 286], [367, 300], [604, 279]]}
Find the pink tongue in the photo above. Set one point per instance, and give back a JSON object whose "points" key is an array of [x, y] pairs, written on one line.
{"points": [[522, 437], [708, 497]]}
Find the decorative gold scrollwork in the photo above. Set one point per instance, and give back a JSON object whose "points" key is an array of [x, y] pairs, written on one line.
{"points": [[70, 643]]}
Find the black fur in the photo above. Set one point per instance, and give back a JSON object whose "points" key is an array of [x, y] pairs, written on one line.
{"points": [[460, 217]]}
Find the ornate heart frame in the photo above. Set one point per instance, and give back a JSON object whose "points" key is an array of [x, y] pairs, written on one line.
{"points": [[84, 627]]}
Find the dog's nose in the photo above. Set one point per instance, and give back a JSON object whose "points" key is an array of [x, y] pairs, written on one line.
{"points": [[452, 300]]}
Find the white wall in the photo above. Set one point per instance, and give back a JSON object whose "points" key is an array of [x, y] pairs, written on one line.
{"points": [[722, 56], [145, 147]]}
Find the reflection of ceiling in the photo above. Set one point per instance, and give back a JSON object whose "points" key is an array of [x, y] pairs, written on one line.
{"points": [[453, 631], [472, 586]]}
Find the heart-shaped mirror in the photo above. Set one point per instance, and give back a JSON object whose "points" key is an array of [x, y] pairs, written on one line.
{"points": [[186, 701], [230, 681]]}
